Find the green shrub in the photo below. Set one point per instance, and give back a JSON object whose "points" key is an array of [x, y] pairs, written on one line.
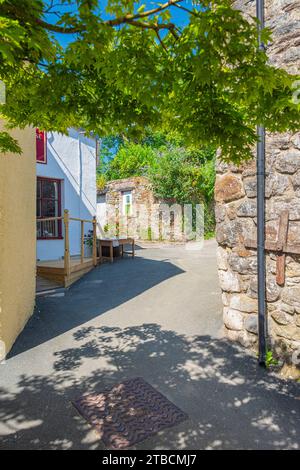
{"points": [[180, 174]]}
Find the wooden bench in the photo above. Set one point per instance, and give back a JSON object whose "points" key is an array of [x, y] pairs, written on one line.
{"points": [[115, 242]]}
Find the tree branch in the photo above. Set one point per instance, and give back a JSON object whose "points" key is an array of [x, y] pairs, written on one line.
{"points": [[154, 26], [161, 41], [127, 19], [145, 14], [59, 29], [51, 6], [191, 12]]}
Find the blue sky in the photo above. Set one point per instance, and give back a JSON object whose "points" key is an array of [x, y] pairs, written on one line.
{"points": [[180, 17]]}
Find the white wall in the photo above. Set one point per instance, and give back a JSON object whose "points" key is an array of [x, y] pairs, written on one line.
{"points": [[101, 214], [71, 158]]}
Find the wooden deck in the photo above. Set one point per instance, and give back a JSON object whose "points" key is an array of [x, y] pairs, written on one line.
{"points": [[54, 270], [45, 285], [69, 269]]}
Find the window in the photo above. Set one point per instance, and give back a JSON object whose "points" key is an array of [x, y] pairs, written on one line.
{"points": [[41, 146], [48, 204], [127, 203]]}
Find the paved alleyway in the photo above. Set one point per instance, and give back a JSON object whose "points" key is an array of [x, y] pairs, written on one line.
{"points": [[157, 316]]}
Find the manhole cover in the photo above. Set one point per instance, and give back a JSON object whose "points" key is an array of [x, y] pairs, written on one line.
{"points": [[128, 413]]}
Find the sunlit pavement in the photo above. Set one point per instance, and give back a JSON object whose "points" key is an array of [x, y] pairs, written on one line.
{"points": [[158, 317]]}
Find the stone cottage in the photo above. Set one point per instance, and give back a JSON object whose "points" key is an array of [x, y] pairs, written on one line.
{"points": [[235, 195], [127, 208]]}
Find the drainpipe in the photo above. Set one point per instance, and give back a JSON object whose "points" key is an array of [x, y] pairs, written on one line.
{"points": [[261, 262]]}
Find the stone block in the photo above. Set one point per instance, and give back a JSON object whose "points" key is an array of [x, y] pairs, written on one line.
{"points": [[243, 265], [220, 212], [274, 208], [291, 331], [272, 288], [228, 233], [288, 162], [229, 281], [233, 320], [292, 269], [225, 299], [295, 139], [243, 303], [222, 258], [231, 210], [247, 209], [250, 187], [228, 188], [277, 184], [281, 317], [245, 339], [291, 296], [287, 308], [251, 323], [296, 180]]}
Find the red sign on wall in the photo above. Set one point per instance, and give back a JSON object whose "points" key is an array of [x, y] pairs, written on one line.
{"points": [[41, 147]]}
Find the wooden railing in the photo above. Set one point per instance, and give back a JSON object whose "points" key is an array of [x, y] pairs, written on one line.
{"points": [[49, 227], [53, 221], [93, 221]]}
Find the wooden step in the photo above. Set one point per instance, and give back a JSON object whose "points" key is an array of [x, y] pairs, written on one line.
{"points": [[75, 276], [57, 277], [80, 267], [44, 285], [57, 274]]}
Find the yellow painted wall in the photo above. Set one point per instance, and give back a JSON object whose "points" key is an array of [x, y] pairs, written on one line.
{"points": [[17, 237]]}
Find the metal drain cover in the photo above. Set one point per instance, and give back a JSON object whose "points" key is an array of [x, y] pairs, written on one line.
{"points": [[128, 413]]}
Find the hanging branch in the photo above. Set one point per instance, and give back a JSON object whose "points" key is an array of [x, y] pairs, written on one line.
{"points": [[161, 41], [132, 19]]}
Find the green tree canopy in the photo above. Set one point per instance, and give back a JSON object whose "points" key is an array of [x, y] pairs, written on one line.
{"points": [[131, 160], [178, 176], [177, 173], [186, 176], [132, 67]]}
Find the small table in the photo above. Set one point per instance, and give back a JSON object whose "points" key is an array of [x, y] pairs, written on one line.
{"points": [[114, 242]]}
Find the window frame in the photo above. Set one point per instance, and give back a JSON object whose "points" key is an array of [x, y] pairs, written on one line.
{"points": [[124, 205], [59, 204], [45, 160]]}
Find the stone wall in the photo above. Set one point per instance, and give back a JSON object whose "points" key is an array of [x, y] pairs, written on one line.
{"points": [[235, 195], [141, 196], [151, 219]]}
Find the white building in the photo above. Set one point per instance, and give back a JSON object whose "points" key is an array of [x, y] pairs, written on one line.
{"points": [[66, 179]]}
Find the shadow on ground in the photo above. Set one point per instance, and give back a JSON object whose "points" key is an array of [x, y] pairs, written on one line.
{"points": [[103, 289], [231, 403]]}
